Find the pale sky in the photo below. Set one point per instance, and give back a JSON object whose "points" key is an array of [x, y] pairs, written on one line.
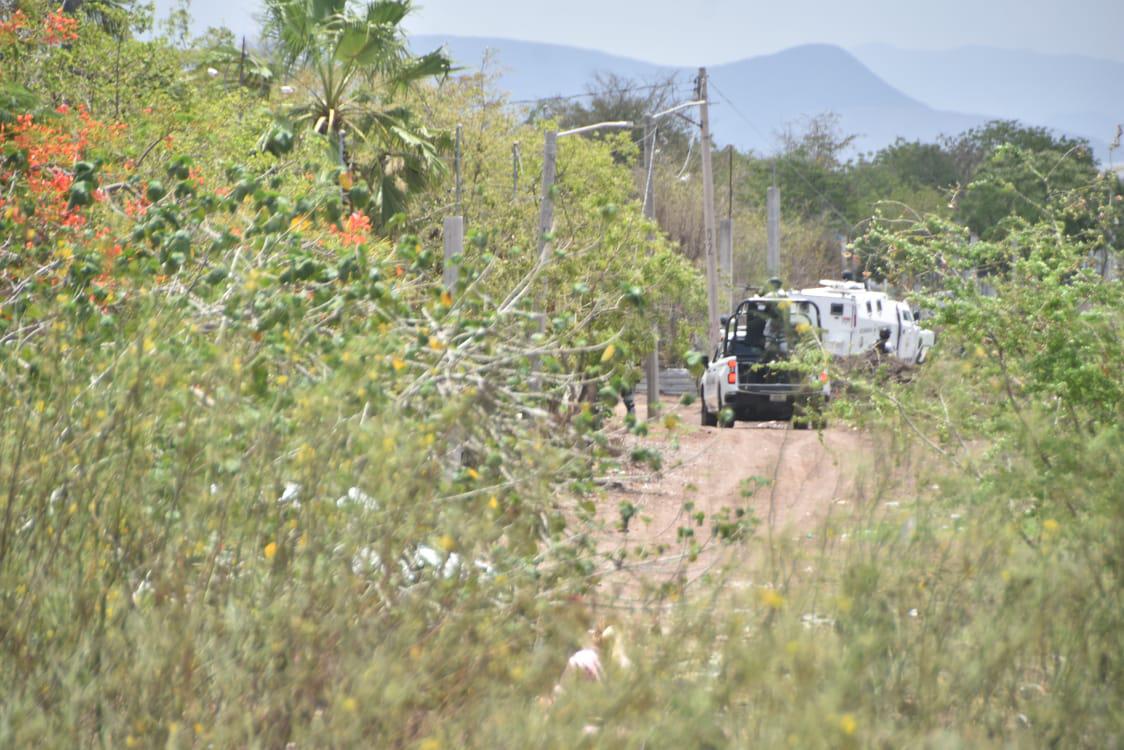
{"points": [[709, 32]]}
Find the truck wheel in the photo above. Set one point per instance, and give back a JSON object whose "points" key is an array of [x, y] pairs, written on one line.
{"points": [[922, 355], [708, 419]]}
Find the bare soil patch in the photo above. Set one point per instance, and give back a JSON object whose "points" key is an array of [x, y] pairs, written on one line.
{"points": [[788, 480]]}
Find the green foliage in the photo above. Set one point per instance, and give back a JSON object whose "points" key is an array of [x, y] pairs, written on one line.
{"points": [[268, 481], [1013, 183]]}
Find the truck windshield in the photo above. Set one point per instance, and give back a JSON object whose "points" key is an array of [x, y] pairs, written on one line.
{"points": [[757, 331]]}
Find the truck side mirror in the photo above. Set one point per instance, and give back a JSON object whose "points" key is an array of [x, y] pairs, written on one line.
{"points": [[884, 333], [723, 320]]}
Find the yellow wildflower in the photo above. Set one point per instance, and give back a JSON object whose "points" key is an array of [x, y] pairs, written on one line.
{"points": [[771, 598]]}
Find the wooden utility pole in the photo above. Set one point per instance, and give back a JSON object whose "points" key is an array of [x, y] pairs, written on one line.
{"points": [[546, 226], [708, 217], [773, 209], [652, 366], [242, 64], [726, 241], [546, 212], [454, 225]]}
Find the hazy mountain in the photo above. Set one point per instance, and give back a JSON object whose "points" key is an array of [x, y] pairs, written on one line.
{"points": [[534, 70], [754, 99], [757, 97], [1079, 95]]}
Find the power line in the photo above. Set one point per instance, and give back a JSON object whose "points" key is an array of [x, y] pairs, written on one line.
{"points": [[588, 94]]}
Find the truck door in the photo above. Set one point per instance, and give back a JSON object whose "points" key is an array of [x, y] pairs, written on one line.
{"points": [[910, 334], [839, 326]]}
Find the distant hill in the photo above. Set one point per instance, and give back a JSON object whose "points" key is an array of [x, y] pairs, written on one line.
{"points": [[534, 70], [1080, 95], [802, 82], [754, 99]]}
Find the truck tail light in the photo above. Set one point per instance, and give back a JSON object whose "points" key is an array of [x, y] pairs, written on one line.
{"points": [[732, 376]]}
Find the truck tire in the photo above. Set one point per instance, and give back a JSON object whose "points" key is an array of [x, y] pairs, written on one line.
{"points": [[708, 419]]}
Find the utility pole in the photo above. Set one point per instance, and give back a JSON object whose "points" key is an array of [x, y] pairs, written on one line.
{"points": [[652, 366], [454, 225], [773, 209], [708, 217], [546, 211], [457, 169], [549, 172], [726, 240], [242, 64]]}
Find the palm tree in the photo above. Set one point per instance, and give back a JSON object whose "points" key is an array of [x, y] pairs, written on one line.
{"points": [[111, 16], [351, 61]]}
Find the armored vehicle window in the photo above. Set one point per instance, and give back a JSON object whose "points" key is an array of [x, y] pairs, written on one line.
{"points": [[836, 308]]}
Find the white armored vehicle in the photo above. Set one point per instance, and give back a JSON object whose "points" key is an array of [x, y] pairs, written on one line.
{"points": [[740, 382], [853, 319]]}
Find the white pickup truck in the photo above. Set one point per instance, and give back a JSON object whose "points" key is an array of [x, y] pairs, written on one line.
{"points": [[739, 382]]}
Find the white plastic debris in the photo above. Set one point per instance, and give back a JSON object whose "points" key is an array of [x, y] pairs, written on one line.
{"points": [[291, 494], [427, 557], [356, 496], [366, 561], [812, 620], [143, 589], [587, 663]]}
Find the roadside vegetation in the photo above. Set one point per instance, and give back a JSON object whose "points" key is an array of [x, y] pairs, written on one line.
{"points": [[266, 481]]}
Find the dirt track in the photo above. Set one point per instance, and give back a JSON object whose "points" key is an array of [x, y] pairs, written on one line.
{"points": [[788, 479]]}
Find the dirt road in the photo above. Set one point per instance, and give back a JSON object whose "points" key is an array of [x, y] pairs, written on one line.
{"points": [[788, 480]]}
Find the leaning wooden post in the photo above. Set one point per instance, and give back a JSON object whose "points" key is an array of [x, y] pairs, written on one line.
{"points": [[546, 227], [652, 366]]}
